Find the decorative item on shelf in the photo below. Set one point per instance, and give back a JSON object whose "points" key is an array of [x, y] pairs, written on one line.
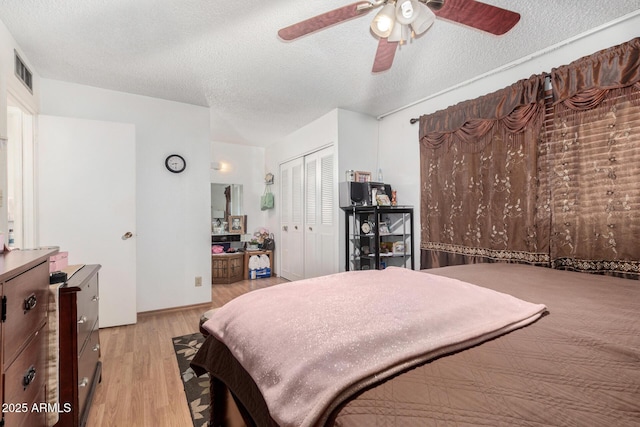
{"points": [[383, 200], [350, 175], [383, 228], [263, 238], [394, 199], [386, 247], [217, 249], [362, 176], [365, 227], [217, 224], [398, 248], [237, 224]]}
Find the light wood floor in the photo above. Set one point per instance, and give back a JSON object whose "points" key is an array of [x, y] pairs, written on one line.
{"points": [[141, 385]]}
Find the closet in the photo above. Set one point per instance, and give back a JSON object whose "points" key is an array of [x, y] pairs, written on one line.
{"points": [[308, 221]]}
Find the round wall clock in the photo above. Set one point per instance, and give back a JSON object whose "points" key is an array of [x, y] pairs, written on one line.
{"points": [[175, 163]]}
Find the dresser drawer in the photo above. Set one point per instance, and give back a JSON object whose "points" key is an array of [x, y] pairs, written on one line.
{"points": [[87, 309], [26, 300], [24, 383], [87, 363]]}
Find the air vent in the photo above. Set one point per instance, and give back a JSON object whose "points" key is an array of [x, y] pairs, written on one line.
{"points": [[23, 73]]}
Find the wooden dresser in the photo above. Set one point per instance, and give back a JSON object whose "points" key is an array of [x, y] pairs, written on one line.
{"points": [[80, 367], [226, 268], [24, 283]]}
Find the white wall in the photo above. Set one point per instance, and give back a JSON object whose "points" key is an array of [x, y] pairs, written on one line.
{"points": [[242, 164], [173, 216], [399, 149], [358, 151]]}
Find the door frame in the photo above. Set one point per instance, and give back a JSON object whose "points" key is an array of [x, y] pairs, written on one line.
{"points": [[28, 157]]}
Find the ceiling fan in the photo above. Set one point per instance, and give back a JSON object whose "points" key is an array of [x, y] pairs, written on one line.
{"points": [[398, 20]]}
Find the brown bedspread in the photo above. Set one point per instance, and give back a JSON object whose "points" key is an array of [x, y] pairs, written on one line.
{"points": [[580, 366]]}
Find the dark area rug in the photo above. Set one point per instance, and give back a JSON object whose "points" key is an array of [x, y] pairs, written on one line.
{"points": [[196, 388]]}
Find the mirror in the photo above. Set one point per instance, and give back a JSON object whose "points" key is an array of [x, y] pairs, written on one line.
{"points": [[226, 199]]}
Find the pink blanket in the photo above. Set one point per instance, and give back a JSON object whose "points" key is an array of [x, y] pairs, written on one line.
{"points": [[310, 344]]}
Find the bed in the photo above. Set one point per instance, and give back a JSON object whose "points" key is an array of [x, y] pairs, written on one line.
{"points": [[576, 364]]}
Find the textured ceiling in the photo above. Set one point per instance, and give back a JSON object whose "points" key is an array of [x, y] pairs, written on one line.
{"points": [[227, 55]]}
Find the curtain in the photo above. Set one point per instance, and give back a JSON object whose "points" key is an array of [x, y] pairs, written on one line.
{"points": [[592, 156], [481, 198]]}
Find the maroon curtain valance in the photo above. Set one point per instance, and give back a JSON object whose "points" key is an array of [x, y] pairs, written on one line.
{"points": [[515, 106], [583, 84]]}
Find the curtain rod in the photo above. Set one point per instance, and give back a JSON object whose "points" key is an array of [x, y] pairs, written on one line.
{"points": [[512, 64]]}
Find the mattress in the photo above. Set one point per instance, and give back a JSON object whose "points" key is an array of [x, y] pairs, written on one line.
{"points": [[579, 366]]}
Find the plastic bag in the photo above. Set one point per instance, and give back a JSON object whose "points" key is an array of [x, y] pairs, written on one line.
{"points": [[266, 200]]}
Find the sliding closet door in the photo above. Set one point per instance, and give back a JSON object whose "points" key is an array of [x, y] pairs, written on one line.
{"points": [[320, 216], [291, 222]]}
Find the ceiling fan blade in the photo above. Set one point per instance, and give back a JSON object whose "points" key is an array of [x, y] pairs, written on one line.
{"points": [[384, 55], [481, 16], [324, 20]]}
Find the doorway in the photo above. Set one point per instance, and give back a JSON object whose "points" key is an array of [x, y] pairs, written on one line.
{"points": [[21, 192]]}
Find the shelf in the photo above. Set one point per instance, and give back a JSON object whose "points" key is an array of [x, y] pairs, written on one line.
{"points": [[399, 223]]}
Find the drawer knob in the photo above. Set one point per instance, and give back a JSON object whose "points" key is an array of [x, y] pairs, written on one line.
{"points": [[29, 376], [30, 302], [84, 382], [95, 298], [96, 347], [82, 320]]}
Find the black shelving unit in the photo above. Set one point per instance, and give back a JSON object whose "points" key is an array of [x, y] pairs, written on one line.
{"points": [[378, 237]]}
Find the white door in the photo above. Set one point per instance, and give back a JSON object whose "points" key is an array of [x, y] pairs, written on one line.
{"points": [[292, 220], [86, 183], [320, 215]]}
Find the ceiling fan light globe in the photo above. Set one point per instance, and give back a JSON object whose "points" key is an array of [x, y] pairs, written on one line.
{"points": [[424, 20], [383, 23], [407, 11], [396, 33]]}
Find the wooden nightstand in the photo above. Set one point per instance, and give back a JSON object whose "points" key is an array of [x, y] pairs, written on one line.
{"points": [[226, 268]]}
